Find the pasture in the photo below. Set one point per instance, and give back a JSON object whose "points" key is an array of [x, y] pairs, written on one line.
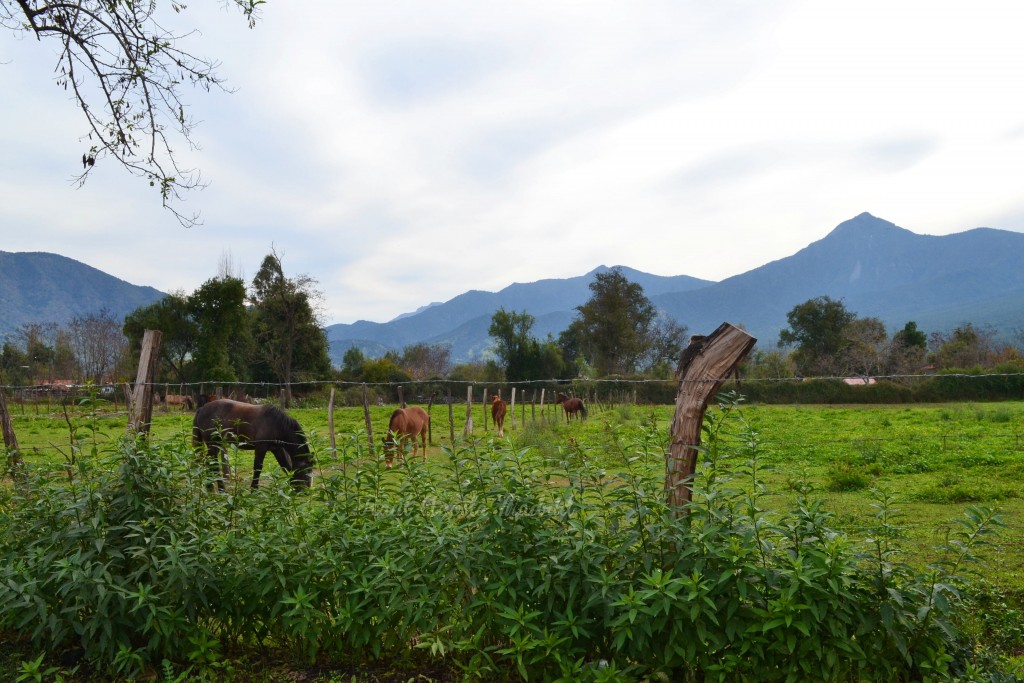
{"points": [[827, 462]]}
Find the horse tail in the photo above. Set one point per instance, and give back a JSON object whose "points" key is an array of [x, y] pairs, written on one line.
{"points": [[583, 409]]}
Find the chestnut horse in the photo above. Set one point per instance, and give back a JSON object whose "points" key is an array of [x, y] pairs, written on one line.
{"points": [[406, 424], [258, 428], [498, 409], [572, 406]]}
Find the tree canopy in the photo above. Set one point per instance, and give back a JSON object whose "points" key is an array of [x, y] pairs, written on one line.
{"points": [[523, 356], [613, 329], [290, 342]]}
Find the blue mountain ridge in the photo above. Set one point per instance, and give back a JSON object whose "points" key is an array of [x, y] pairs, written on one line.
{"points": [[875, 267]]}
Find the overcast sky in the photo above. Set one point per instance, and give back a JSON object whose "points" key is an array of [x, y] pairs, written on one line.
{"points": [[402, 153]]}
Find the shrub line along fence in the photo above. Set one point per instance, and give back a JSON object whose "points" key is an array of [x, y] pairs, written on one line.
{"points": [[703, 368]]}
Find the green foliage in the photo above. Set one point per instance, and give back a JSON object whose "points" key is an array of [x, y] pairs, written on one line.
{"points": [[613, 330], [289, 341], [817, 327], [498, 559], [523, 356]]}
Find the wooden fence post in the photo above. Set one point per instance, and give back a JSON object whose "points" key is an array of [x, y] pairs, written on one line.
{"points": [[703, 367], [451, 418], [512, 407], [14, 460], [369, 423], [142, 393], [483, 404], [468, 431], [430, 423]]}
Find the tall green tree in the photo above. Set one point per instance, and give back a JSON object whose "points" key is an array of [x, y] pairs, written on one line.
{"points": [[818, 329], [290, 342], [613, 328], [512, 341], [223, 345], [523, 356]]}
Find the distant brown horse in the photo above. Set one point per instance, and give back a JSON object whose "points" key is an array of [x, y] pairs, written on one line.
{"points": [[572, 406], [498, 410], [258, 428], [406, 424]]}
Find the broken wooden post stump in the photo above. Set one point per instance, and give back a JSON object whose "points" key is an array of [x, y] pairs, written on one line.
{"points": [[703, 368]]}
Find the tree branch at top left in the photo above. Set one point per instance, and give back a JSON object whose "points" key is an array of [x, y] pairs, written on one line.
{"points": [[125, 72]]}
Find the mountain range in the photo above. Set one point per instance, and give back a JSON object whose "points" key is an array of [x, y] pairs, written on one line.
{"points": [[39, 287], [875, 267]]}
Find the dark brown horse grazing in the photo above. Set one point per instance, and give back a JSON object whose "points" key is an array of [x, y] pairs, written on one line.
{"points": [[259, 428], [498, 410], [405, 425], [572, 406]]}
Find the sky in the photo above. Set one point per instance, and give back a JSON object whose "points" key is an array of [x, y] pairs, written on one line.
{"points": [[402, 153]]}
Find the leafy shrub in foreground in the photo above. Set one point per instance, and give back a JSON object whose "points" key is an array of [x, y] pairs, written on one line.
{"points": [[502, 561]]}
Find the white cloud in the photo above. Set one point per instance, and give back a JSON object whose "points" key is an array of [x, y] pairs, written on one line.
{"points": [[403, 153]]}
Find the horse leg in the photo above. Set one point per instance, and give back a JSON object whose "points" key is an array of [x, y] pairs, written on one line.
{"points": [[216, 462], [423, 440], [257, 466]]}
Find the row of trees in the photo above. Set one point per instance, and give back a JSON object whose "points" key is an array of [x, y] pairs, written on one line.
{"points": [[89, 346], [824, 338], [270, 332], [617, 332], [225, 332]]}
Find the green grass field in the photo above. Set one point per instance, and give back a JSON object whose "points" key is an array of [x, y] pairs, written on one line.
{"points": [[937, 459]]}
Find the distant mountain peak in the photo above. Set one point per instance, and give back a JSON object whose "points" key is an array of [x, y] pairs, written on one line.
{"points": [[865, 223]]}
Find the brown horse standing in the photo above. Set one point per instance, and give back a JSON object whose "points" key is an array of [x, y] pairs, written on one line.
{"points": [[406, 424], [257, 428], [498, 409], [572, 406]]}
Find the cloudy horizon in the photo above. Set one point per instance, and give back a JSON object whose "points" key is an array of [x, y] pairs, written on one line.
{"points": [[401, 154]]}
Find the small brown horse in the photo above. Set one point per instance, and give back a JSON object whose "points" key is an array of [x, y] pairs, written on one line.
{"points": [[406, 424], [498, 410], [572, 406], [258, 428]]}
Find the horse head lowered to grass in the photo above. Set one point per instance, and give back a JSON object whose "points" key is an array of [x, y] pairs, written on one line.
{"points": [[262, 428], [406, 424], [572, 406]]}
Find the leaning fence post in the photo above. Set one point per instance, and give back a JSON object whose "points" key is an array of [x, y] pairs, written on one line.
{"points": [[142, 394], [703, 367]]}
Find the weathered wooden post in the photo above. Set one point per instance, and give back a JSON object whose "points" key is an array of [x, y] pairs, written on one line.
{"points": [[484, 405], [468, 431], [430, 423], [10, 438], [451, 418], [512, 407], [369, 423], [330, 423], [141, 414], [703, 367]]}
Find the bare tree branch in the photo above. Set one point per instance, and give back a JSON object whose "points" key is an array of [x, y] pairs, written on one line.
{"points": [[126, 71]]}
